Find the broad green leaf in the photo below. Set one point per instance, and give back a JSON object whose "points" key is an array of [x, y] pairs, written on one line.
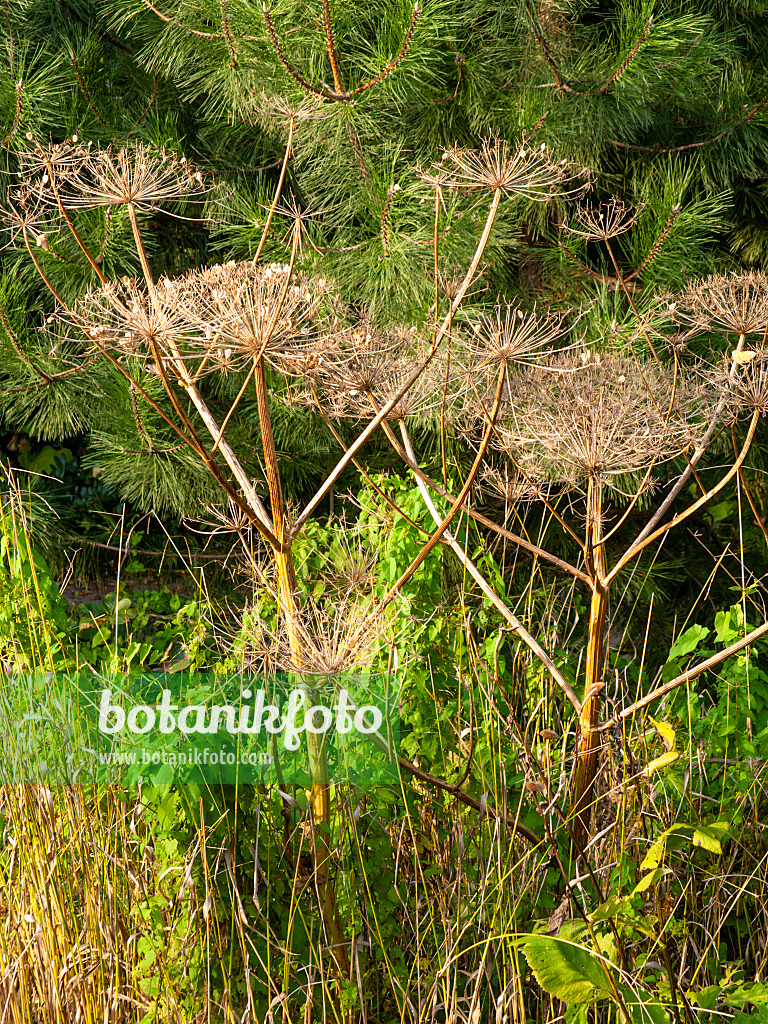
{"points": [[688, 641], [566, 970], [643, 1007], [724, 631], [611, 908], [131, 651]]}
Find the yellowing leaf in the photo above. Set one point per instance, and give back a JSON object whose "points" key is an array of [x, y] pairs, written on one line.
{"points": [[659, 762], [742, 357], [650, 879], [655, 854], [709, 837], [667, 733]]}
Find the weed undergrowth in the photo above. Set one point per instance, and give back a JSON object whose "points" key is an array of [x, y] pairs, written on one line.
{"points": [[186, 903]]}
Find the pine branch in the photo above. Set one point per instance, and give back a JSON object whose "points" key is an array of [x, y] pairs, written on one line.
{"points": [[330, 45], [87, 96], [392, 65], [148, 106], [614, 283], [227, 34], [19, 350], [17, 117], [338, 94], [657, 245], [656, 148], [324, 92], [630, 57], [559, 80], [177, 24]]}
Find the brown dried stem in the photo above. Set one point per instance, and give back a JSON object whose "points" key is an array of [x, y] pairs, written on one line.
{"points": [[410, 380], [685, 677], [278, 190]]}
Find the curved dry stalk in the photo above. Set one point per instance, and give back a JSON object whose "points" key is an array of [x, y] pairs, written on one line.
{"points": [[637, 547], [70, 225], [696, 455], [487, 590], [685, 677], [410, 380], [261, 516], [278, 190], [589, 750], [502, 531]]}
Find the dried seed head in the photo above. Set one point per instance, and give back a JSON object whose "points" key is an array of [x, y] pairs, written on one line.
{"points": [[226, 315], [512, 336], [730, 302], [247, 310], [86, 177], [338, 636], [511, 487], [369, 367], [607, 221], [279, 109], [572, 420], [516, 171], [744, 386]]}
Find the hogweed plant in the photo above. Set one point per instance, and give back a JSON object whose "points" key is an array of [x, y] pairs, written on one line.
{"points": [[243, 318], [582, 431]]}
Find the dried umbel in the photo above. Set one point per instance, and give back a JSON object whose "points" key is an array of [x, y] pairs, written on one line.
{"points": [[510, 487], [600, 417], [222, 317], [245, 311], [279, 109], [730, 302], [742, 381], [512, 336], [126, 317], [369, 367], [606, 222], [338, 636], [520, 170], [228, 521], [87, 176]]}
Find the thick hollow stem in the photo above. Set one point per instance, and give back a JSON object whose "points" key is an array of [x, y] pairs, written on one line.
{"points": [[320, 794], [591, 741]]}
